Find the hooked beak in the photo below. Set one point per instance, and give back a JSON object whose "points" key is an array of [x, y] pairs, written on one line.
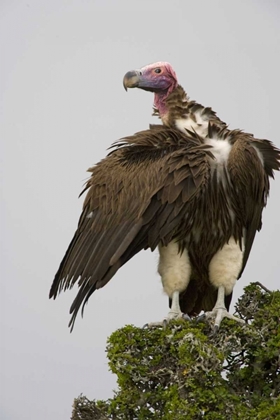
{"points": [[132, 79]]}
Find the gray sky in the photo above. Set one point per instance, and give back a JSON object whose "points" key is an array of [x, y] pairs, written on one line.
{"points": [[62, 105]]}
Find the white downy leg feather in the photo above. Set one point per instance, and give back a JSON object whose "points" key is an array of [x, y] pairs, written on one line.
{"points": [[174, 268], [224, 269], [175, 271]]}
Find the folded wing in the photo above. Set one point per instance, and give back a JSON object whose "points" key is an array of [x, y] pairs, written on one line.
{"points": [[251, 163], [136, 197]]}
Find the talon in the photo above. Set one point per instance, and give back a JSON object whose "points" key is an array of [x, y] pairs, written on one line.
{"points": [[186, 317], [174, 314], [215, 329], [220, 314], [200, 318]]}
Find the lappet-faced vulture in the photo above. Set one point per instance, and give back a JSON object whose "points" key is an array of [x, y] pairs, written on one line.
{"points": [[191, 187]]}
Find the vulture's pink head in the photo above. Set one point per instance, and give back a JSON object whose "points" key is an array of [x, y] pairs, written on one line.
{"points": [[159, 78]]}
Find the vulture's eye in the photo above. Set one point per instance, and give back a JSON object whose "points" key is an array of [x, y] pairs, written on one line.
{"points": [[158, 70]]}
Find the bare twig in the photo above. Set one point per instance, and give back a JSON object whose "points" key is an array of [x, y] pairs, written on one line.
{"points": [[263, 287]]}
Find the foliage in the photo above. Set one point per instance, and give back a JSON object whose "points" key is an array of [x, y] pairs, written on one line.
{"points": [[187, 372]]}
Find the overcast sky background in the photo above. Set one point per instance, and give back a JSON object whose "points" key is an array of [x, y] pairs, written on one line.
{"points": [[62, 105]]}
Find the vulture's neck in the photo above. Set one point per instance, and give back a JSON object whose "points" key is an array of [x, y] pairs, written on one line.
{"points": [[176, 110]]}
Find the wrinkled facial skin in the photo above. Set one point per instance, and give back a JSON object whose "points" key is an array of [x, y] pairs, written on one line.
{"points": [[157, 77]]}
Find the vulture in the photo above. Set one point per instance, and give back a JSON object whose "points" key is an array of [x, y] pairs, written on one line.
{"points": [[190, 187]]}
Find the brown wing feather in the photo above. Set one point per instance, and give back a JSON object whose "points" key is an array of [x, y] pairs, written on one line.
{"points": [[251, 163], [244, 188], [136, 197]]}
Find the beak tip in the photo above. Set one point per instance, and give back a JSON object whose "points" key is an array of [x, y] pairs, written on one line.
{"points": [[131, 79]]}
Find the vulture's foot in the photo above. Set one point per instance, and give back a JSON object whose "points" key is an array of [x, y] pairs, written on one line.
{"points": [[174, 313], [219, 314]]}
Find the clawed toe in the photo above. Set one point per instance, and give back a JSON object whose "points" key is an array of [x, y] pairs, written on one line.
{"points": [[175, 313], [200, 318], [186, 317], [219, 314], [159, 324], [170, 317]]}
